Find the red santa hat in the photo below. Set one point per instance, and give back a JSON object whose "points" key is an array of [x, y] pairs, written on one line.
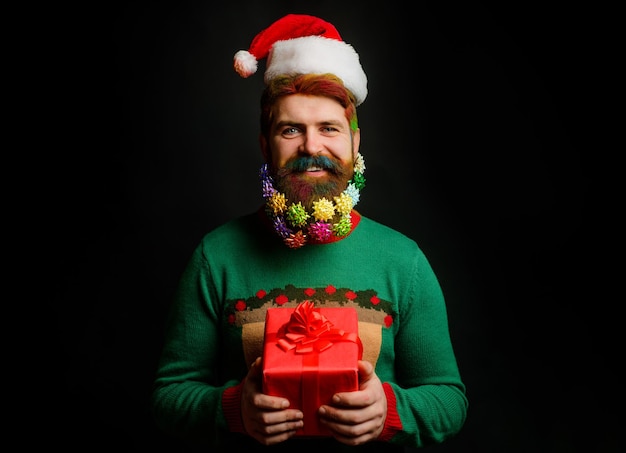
{"points": [[302, 44]]}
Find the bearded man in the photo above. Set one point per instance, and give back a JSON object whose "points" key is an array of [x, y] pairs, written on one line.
{"points": [[307, 249]]}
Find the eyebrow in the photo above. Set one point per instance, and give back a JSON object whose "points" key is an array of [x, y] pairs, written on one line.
{"points": [[300, 125]]}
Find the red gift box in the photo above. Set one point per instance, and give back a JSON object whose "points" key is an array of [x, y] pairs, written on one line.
{"points": [[309, 354]]}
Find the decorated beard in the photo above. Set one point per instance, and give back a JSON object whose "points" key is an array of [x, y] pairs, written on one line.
{"points": [[293, 181], [304, 209]]}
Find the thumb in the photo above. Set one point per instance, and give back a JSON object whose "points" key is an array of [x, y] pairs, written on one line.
{"points": [[253, 378], [366, 370], [255, 368]]}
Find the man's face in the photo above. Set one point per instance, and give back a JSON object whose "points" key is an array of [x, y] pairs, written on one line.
{"points": [[311, 149]]}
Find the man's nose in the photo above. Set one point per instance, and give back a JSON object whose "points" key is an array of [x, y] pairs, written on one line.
{"points": [[312, 143]]}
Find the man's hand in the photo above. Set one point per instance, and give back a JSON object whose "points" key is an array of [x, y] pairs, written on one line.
{"points": [[357, 417], [266, 418]]}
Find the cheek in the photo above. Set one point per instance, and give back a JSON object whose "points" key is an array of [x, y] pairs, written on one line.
{"points": [[343, 153], [279, 159], [283, 151]]}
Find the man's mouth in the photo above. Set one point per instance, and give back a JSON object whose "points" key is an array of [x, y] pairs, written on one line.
{"points": [[312, 164]]}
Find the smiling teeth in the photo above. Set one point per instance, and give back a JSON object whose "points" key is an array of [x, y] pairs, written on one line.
{"points": [[314, 169]]}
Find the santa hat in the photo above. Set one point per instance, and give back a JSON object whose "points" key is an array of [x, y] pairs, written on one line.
{"points": [[302, 44]]}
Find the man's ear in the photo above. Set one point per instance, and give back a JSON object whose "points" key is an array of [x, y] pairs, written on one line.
{"points": [[264, 148], [356, 142]]}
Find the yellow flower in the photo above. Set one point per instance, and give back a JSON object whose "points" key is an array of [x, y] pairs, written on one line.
{"points": [[277, 203], [323, 209], [359, 163], [344, 203]]}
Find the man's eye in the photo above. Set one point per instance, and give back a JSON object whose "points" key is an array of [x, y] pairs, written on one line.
{"points": [[290, 131]]}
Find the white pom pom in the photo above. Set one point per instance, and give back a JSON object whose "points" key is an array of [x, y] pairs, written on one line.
{"points": [[245, 63]]}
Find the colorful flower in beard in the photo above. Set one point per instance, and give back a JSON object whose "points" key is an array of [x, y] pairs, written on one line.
{"points": [[312, 208]]}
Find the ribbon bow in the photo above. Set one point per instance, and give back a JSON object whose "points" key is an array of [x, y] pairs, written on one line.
{"points": [[309, 331]]}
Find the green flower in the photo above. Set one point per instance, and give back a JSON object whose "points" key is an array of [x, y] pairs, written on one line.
{"points": [[359, 180], [342, 227], [297, 215]]}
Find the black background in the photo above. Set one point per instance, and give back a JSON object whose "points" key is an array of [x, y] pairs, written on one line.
{"points": [[476, 138]]}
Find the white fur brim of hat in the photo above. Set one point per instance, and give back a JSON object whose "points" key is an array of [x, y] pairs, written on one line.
{"points": [[318, 55]]}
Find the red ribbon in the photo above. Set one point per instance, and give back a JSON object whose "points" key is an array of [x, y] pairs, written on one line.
{"points": [[309, 331]]}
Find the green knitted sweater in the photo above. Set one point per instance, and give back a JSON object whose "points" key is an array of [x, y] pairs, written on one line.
{"points": [[238, 270]]}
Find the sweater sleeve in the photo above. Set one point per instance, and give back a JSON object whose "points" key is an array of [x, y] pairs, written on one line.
{"points": [[231, 403], [393, 424], [187, 394], [429, 394]]}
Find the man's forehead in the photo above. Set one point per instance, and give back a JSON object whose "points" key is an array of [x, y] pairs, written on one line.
{"points": [[298, 107]]}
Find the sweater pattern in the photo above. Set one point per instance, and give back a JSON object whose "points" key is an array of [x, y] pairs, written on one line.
{"points": [[248, 314], [243, 310]]}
